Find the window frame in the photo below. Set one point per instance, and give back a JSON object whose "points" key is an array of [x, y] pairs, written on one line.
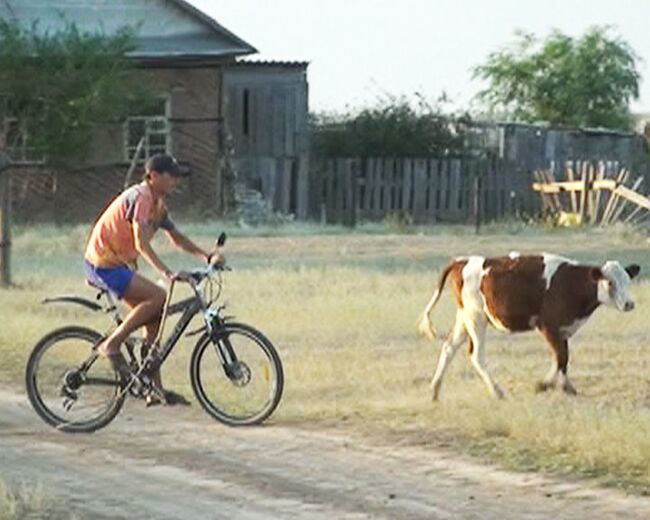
{"points": [[148, 119], [18, 152]]}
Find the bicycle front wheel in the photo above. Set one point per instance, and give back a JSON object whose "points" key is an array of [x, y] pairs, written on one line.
{"points": [[70, 387], [237, 376]]}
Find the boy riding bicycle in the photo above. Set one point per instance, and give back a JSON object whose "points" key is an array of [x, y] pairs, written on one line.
{"points": [[122, 233]]}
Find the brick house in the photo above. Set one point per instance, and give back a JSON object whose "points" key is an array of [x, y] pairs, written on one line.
{"points": [[186, 56]]}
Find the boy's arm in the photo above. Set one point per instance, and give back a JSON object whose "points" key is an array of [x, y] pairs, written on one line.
{"points": [[142, 234], [185, 244]]}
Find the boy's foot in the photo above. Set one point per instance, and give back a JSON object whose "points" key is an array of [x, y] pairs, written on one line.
{"points": [[171, 399]]}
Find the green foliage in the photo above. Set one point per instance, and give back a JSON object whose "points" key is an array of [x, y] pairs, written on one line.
{"points": [[588, 81], [60, 86], [391, 128]]}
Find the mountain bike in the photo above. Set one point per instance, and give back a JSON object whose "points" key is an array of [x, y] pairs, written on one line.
{"points": [[235, 371]]}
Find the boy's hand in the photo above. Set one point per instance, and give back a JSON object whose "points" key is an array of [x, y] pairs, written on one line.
{"points": [[216, 259]]}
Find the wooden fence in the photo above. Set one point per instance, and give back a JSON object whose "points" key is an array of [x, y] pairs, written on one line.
{"points": [[426, 190], [283, 181]]}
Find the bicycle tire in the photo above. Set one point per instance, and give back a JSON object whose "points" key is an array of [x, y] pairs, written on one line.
{"points": [[229, 330], [42, 409]]}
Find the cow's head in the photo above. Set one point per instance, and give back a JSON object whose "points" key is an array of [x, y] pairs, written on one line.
{"points": [[614, 284]]}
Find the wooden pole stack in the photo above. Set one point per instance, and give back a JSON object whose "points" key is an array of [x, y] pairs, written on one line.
{"points": [[597, 199]]}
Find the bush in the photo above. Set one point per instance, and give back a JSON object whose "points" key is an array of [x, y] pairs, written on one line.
{"points": [[394, 127]]}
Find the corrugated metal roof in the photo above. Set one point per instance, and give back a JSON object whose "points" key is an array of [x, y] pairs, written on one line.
{"points": [[270, 63], [165, 28]]}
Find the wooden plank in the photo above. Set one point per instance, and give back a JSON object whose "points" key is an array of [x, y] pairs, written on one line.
{"points": [[302, 205], [341, 186], [557, 203], [443, 189], [398, 180], [264, 121], [632, 195], [539, 186], [407, 186], [592, 194], [455, 187], [600, 176], [289, 120], [386, 176], [351, 175], [613, 202], [611, 199], [572, 195], [267, 167], [552, 199], [330, 192], [377, 190], [419, 190], [278, 123], [287, 173], [637, 211], [584, 194], [575, 186]]}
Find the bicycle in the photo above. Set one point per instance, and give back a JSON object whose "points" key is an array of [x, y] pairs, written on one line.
{"points": [[239, 381]]}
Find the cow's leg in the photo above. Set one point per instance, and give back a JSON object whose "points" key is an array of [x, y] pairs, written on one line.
{"points": [[455, 339], [558, 373], [476, 324]]}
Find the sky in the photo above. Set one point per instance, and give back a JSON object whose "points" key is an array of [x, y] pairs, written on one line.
{"points": [[361, 50]]}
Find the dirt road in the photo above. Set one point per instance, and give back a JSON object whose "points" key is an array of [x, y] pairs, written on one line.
{"points": [[178, 463]]}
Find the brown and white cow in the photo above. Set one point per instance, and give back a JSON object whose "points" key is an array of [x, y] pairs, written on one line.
{"points": [[552, 294]]}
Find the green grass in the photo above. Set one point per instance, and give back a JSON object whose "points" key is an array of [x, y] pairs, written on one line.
{"points": [[341, 307]]}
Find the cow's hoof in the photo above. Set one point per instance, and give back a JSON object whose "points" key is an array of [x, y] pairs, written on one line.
{"points": [[568, 389], [498, 392], [542, 386]]}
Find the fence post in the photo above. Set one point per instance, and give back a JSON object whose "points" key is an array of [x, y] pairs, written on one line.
{"points": [[5, 224], [476, 207], [351, 179]]}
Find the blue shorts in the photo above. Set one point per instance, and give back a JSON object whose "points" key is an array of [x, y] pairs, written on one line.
{"points": [[114, 279]]}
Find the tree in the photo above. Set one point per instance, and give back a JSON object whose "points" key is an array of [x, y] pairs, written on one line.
{"points": [[56, 88], [589, 81], [391, 128]]}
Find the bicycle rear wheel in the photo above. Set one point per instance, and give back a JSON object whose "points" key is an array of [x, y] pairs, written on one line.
{"points": [[237, 377], [68, 386]]}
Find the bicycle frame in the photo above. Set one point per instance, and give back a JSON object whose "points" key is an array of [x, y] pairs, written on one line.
{"points": [[189, 307]]}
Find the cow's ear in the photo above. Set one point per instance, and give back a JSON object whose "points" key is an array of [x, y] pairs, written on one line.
{"points": [[596, 274], [633, 270]]}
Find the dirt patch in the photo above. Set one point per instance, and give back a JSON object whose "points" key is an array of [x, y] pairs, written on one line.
{"points": [[178, 463]]}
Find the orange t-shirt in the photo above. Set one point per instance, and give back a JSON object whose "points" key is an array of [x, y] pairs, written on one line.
{"points": [[111, 243]]}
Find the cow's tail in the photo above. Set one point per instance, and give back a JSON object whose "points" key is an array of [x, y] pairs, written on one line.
{"points": [[425, 327]]}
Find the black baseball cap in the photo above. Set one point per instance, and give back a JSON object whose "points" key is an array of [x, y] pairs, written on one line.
{"points": [[165, 163]]}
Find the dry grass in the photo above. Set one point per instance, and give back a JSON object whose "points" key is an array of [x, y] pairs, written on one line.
{"points": [[342, 309], [27, 500]]}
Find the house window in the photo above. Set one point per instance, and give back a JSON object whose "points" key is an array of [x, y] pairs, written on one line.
{"points": [[16, 139], [153, 127]]}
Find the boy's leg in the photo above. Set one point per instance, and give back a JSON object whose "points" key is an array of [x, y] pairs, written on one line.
{"points": [[146, 300]]}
